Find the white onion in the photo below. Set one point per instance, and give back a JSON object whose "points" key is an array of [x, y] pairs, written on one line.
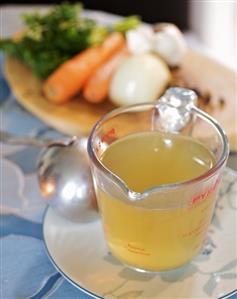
{"points": [[140, 78]]}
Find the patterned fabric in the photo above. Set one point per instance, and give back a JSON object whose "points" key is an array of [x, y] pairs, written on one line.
{"points": [[26, 271]]}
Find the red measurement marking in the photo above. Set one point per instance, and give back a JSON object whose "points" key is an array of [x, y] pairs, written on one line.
{"points": [[137, 250], [204, 195], [109, 134]]}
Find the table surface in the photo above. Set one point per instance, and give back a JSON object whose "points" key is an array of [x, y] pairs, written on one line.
{"points": [[26, 271]]}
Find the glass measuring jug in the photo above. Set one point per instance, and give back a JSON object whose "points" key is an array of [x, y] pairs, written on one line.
{"points": [[157, 222]]}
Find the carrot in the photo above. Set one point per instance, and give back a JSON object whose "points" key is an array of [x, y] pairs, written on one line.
{"points": [[18, 36], [96, 88], [69, 78]]}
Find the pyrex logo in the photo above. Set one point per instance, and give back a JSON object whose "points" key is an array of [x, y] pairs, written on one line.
{"points": [[204, 195]]}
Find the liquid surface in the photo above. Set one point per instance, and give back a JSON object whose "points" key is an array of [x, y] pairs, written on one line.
{"points": [[150, 159], [156, 239]]}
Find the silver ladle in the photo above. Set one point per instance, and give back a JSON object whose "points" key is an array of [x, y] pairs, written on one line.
{"points": [[64, 175]]}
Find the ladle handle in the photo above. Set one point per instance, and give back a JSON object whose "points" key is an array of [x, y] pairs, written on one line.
{"points": [[8, 138]]}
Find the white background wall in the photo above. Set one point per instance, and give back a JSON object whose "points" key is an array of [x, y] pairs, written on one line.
{"points": [[215, 24]]}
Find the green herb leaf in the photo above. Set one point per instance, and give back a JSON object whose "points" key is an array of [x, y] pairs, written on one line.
{"points": [[126, 24], [52, 38]]}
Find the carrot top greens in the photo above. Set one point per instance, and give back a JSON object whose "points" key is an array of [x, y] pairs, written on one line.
{"points": [[50, 39]]}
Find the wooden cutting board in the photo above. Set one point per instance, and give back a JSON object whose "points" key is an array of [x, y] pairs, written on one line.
{"points": [[78, 116]]}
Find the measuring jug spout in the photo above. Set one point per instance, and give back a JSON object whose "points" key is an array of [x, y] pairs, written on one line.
{"points": [[135, 196]]}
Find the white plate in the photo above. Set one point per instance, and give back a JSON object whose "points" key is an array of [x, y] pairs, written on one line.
{"points": [[79, 252]]}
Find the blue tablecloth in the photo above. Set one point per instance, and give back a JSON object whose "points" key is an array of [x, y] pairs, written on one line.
{"points": [[26, 271]]}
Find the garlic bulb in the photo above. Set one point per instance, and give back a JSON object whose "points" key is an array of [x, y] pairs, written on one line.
{"points": [[140, 40], [169, 43], [166, 40]]}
